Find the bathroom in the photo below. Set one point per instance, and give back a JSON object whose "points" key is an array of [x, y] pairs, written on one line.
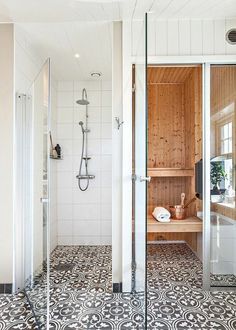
{"points": [[114, 108]]}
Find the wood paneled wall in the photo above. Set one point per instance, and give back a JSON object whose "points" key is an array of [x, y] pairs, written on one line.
{"points": [[166, 125], [174, 138], [193, 128], [166, 191]]}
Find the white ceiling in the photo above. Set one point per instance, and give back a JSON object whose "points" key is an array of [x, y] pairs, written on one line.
{"points": [[95, 10], [61, 41], [61, 28]]}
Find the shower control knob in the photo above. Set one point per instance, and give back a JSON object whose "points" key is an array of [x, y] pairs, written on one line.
{"points": [[145, 178]]}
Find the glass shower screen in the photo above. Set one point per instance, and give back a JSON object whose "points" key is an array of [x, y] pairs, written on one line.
{"points": [[139, 115], [36, 247], [223, 175]]}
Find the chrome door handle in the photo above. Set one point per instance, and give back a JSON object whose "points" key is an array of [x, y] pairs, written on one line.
{"points": [[144, 178], [44, 200]]}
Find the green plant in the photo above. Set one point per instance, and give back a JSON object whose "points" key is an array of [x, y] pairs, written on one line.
{"points": [[217, 174]]}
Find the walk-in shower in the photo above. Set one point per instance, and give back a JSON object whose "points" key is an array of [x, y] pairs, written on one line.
{"points": [[84, 153]]}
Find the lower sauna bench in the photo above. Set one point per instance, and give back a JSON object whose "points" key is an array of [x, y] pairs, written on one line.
{"points": [[188, 230], [188, 225]]}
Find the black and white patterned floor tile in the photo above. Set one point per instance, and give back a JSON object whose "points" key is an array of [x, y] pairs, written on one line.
{"points": [[15, 312], [81, 294]]}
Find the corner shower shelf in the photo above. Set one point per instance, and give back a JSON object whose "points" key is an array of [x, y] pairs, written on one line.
{"points": [[189, 225], [170, 172], [56, 158]]}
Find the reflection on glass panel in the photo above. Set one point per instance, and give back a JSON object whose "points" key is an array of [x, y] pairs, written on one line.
{"points": [[36, 283], [226, 137], [223, 157]]}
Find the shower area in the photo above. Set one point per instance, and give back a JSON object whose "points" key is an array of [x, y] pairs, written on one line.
{"points": [[84, 176], [67, 228], [66, 164], [81, 259]]}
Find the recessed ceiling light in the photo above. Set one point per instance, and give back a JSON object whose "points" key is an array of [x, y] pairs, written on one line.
{"points": [[95, 74], [77, 55]]}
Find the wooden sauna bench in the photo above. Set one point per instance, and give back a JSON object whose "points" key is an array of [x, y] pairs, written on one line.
{"points": [[189, 225]]}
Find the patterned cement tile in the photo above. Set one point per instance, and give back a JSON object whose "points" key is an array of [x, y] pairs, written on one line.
{"points": [[81, 294], [15, 312]]}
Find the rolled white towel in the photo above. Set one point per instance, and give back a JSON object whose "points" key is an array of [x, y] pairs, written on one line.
{"points": [[161, 214]]}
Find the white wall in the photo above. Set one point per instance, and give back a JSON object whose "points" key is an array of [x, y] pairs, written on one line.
{"points": [[117, 154], [126, 162], [27, 61], [84, 218], [183, 37], [6, 156]]}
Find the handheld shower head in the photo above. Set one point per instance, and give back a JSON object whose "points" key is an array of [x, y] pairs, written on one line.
{"points": [[82, 126], [84, 100]]}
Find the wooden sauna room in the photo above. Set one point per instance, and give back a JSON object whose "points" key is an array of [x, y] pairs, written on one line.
{"points": [[174, 147]]}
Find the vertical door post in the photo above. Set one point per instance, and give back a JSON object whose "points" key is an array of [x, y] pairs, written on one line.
{"points": [[206, 175]]}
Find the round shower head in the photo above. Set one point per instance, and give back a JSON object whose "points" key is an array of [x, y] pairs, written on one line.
{"points": [[84, 100]]}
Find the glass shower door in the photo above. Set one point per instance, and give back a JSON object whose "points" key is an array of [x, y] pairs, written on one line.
{"points": [[37, 248], [223, 175], [140, 179]]}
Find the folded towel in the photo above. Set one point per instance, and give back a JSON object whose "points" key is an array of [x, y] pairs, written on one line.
{"points": [[161, 214]]}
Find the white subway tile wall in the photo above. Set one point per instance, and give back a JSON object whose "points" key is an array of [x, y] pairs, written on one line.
{"points": [[84, 218]]}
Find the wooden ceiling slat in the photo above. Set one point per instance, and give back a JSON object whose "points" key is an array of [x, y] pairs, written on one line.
{"points": [[168, 74]]}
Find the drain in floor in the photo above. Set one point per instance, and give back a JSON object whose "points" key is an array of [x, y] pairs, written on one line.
{"points": [[64, 267]]}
